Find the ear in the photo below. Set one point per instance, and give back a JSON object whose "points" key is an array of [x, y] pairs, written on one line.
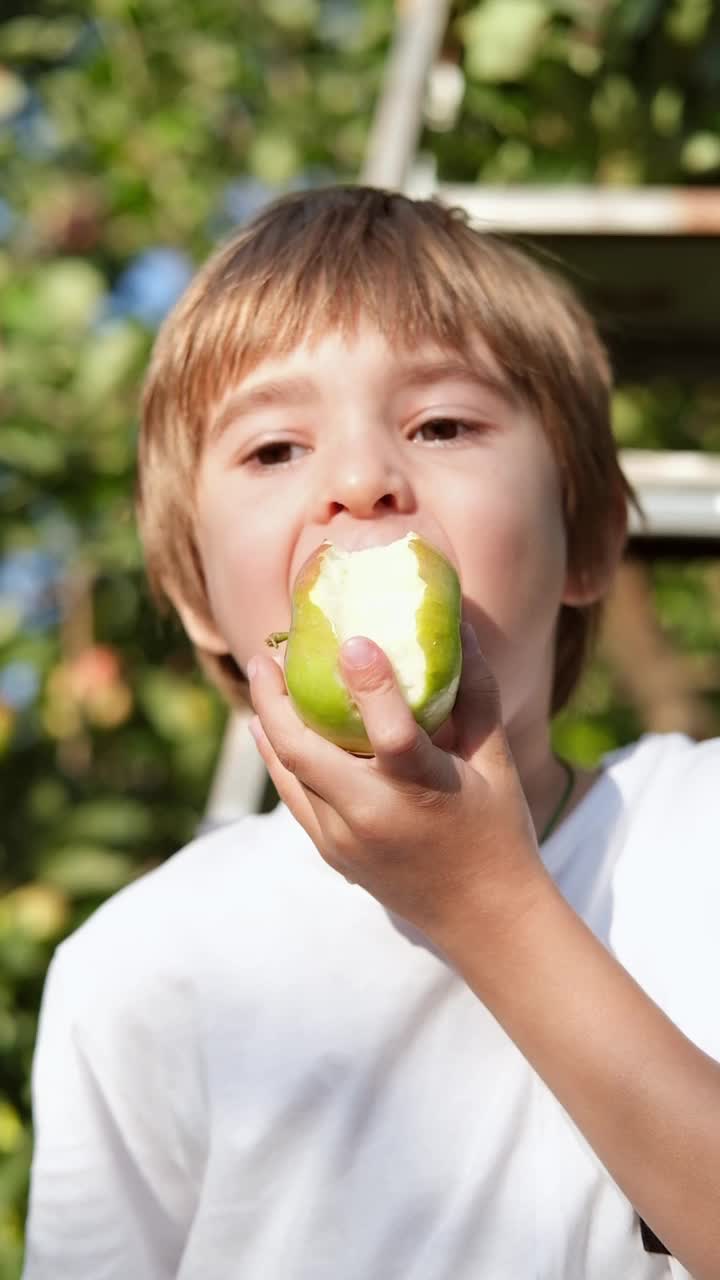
{"points": [[586, 586], [201, 630]]}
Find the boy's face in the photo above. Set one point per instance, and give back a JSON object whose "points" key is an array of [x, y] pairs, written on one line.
{"points": [[355, 442]]}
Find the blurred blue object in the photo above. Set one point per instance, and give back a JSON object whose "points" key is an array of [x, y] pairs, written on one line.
{"points": [[340, 22], [19, 685], [32, 128], [149, 287], [7, 219], [28, 580], [244, 198]]}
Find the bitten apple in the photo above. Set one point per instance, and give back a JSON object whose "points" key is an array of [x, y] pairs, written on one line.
{"points": [[406, 597]]}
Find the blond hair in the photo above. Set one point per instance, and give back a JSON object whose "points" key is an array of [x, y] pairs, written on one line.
{"points": [[318, 260]]}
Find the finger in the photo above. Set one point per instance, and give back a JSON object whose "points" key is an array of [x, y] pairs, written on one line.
{"points": [[477, 714], [310, 810], [446, 736], [402, 749], [289, 789], [314, 762]]}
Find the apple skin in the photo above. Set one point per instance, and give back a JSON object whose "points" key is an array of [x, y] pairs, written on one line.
{"points": [[315, 685]]}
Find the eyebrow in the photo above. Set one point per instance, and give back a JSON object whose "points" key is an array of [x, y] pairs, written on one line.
{"points": [[301, 390], [423, 373], [274, 393]]}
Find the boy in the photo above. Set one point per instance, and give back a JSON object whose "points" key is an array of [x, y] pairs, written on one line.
{"points": [[442, 1014]]}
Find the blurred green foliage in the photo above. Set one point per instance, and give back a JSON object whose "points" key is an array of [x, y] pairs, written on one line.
{"points": [[132, 136]]}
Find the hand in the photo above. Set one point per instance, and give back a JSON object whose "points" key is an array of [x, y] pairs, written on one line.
{"points": [[439, 834]]}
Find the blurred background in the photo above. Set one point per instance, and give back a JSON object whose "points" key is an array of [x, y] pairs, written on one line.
{"points": [[134, 134]]}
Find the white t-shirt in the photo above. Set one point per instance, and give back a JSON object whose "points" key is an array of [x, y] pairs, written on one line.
{"points": [[248, 1070]]}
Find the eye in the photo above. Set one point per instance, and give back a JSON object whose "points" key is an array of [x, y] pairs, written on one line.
{"points": [[441, 430], [275, 454]]}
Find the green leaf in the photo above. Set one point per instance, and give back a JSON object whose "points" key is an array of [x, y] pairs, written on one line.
{"points": [[59, 299], [583, 741], [176, 709], [107, 359], [293, 15], [11, 1129], [31, 449], [688, 20], [13, 94], [37, 36], [69, 291], [273, 157], [501, 39], [636, 17], [701, 152], [114, 820], [86, 869]]}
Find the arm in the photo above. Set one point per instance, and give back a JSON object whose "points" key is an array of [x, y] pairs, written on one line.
{"points": [[99, 1196], [645, 1097], [446, 841]]}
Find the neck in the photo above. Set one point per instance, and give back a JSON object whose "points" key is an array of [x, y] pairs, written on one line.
{"points": [[543, 777]]}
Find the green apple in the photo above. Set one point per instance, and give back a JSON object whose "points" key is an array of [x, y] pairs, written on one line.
{"points": [[406, 597]]}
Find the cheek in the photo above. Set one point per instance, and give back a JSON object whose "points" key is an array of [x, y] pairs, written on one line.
{"points": [[243, 562], [519, 581], [535, 544], [518, 557]]}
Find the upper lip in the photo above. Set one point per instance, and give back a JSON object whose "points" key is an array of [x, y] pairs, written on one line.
{"points": [[376, 534], [360, 538], [379, 533]]}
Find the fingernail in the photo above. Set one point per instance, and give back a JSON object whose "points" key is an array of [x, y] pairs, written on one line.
{"points": [[470, 639], [251, 668], [358, 652], [254, 729]]}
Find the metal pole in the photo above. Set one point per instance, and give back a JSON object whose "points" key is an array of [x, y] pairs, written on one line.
{"points": [[240, 776], [397, 123]]}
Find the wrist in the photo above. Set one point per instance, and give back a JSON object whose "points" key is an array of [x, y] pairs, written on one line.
{"points": [[495, 927]]}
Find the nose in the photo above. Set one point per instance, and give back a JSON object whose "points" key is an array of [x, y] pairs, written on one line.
{"points": [[364, 477]]}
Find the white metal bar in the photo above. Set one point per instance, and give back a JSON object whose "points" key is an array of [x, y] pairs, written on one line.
{"points": [[679, 492], [397, 121], [240, 776], [573, 210]]}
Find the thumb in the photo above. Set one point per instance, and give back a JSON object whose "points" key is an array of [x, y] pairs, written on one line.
{"points": [[477, 713]]}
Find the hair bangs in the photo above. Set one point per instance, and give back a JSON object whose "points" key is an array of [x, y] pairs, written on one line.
{"points": [[262, 310]]}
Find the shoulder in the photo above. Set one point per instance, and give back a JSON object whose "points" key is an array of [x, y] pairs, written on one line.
{"points": [[665, 881], [662, 783], [668, 779], [656, 754], [169, 925], [667, 794]]}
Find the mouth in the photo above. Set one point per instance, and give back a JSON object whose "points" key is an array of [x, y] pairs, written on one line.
{"points": [[381, 534], [362, 539]]}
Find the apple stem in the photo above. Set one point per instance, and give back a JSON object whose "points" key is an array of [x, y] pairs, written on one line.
{"points": [[276, 638]]}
